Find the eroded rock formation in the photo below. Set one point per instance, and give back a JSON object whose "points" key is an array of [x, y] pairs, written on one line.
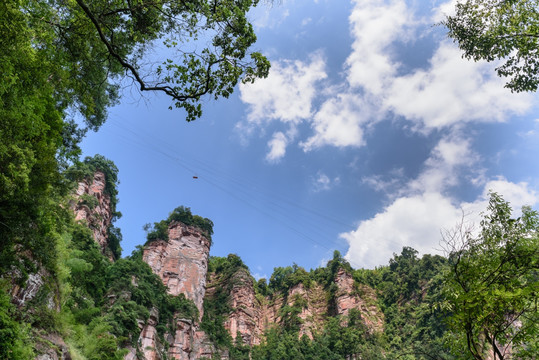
{"points": [[362, 298], [247, 316], [181, 262], [253, 314], [189, 342], [93, 206]]}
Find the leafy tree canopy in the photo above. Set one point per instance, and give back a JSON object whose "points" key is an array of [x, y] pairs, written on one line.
{"points": [[491, 286], [159, 230], [92, 45], [493, 29]]}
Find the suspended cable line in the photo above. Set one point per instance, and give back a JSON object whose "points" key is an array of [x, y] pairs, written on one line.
{"points": [[242, 185], [241, 188]]}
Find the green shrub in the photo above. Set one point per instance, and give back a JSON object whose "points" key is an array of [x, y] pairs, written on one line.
{"points": [[15, 341], [159, 230]]}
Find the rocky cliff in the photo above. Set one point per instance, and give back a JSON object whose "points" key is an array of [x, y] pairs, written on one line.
{"points": [[181, 262], [252, 314], [360, 297], [93, 205]]}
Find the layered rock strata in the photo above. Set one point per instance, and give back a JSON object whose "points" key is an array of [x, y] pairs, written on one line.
{"points": [[362, 298], [181, 262], [252, 315], [188, 342], [248, 311], [93, 206]]}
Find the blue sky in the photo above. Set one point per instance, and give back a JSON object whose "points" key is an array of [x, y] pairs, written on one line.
{"points": [[371, 133]]}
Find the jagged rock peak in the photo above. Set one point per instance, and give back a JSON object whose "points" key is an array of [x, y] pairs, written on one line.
{"points": [[181, 262]]}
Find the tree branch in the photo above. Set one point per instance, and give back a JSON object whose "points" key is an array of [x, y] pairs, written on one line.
{"points": [[143, 86]]}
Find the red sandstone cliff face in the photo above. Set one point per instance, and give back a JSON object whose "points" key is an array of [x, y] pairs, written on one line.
{"points": [[97, 214], [181, 262], [362, 298], [188, 342], [252, 314], [247, 316]]}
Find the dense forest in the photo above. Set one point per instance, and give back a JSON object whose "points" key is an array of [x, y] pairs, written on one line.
{"points": [[61, 66]]}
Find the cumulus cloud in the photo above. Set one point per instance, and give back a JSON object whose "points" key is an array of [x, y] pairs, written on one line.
{"points": [[446, 93], [375, 25], [409, 221], [339, 122], [422, 208], [287, 93], [441, 169], [277, 146], [417, 220], [452, 90], [449, 91]]}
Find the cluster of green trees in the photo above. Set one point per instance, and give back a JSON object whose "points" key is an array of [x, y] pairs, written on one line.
{"points": [[159, 230], [491, 285], [60, 60], [504, 31]]}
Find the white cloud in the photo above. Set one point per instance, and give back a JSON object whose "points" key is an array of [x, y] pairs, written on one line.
{"points": [[417, 221], [452, 90], [409, 221], [339, 123], [421, 209], [277, 147], [441, 168], [322, 182], [443, 10], [375, 25], [287, 93], [448, 92], [518, 194]]}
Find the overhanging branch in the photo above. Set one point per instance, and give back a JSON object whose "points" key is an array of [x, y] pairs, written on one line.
{"points": [[129, 67]]}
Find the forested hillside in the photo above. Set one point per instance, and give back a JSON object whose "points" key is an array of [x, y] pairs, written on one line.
{"points": [[86, 304]]}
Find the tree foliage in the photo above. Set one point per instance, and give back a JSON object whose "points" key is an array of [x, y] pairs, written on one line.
{"points": [[493, 29], [159, 230], [491, 285], [96, 44], [31, 138]]}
